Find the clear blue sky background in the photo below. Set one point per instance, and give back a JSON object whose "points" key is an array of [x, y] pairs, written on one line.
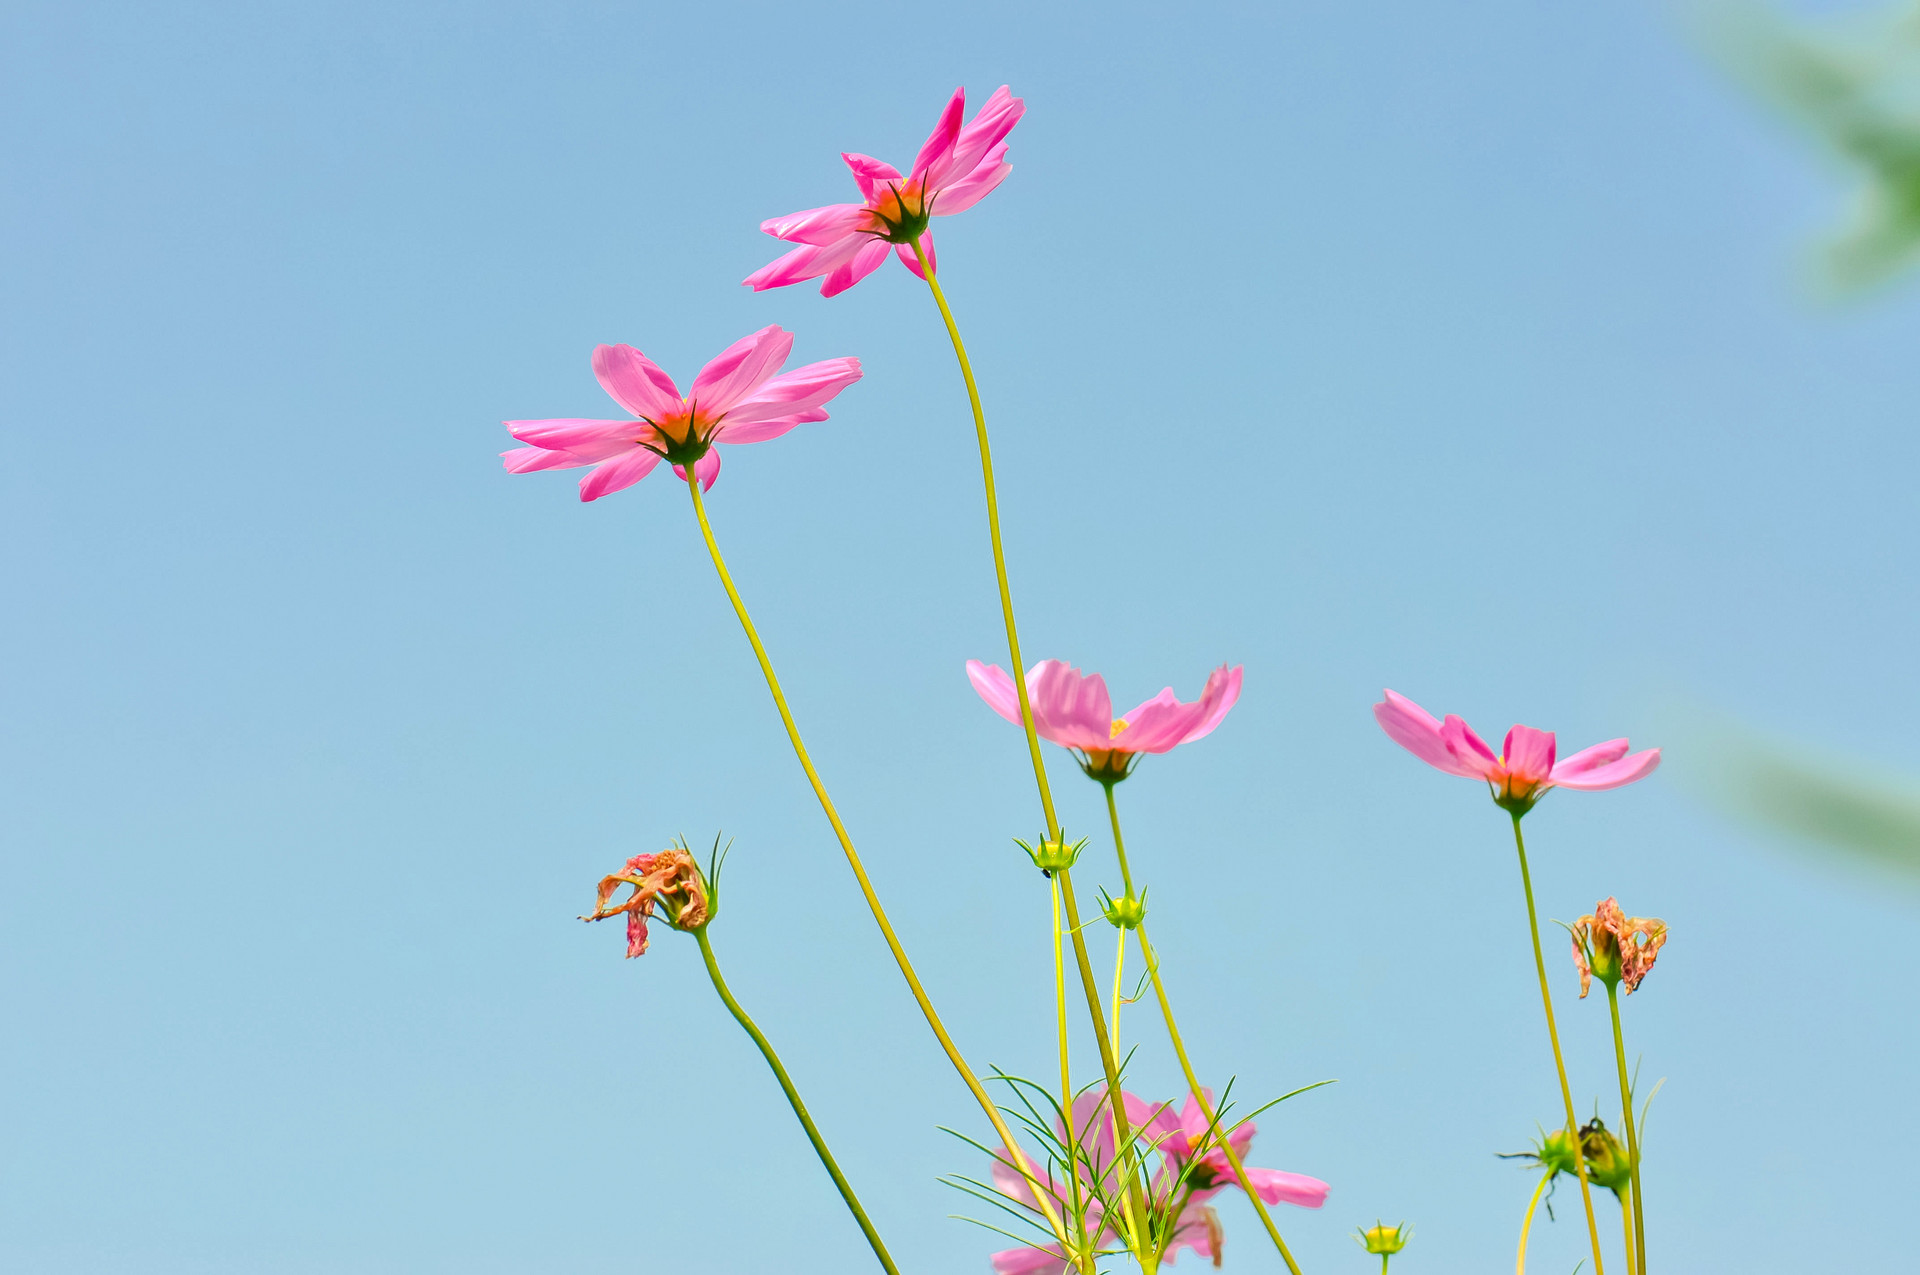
{"points": [[1458, 349]]}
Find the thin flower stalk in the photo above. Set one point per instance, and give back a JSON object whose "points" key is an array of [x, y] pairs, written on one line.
{"points": [[859, 870], [1526, 1223], [1553, 1036], [1637, 1241], [793, 1100], [1109, 1054], [1179, 1046]]}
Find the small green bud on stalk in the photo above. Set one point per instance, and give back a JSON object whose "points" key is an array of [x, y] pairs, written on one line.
{"points": [[1053, 856], [1382, 1239]]}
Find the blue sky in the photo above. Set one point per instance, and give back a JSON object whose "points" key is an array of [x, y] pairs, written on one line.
{"points": [[1465, 353]]}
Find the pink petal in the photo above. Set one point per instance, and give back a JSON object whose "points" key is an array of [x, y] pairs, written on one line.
{"points": [[1614, 774], [990, 124], [1527, 754], [912, 261], [761, 431], [819, 225], [863, 263], [972, 188], [706, 469], [635, 381], [525, 460], [939, 144], [1156, 725], [570, 434], [809, 261], [995, 686], [870, 174], [1029, 1261], [1277, 1187], [1068, 708], [1414, 729], [803, 389], [619, 474], [1468, 749], [1588, 759], [739, 370], [636, 934]]}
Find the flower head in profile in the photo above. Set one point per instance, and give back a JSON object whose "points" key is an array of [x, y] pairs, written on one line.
{"points": [[670, 881], [959, 164], [1191, 1153], [1074, 711], [1614, 947], [740, 397], [1526, 767]]}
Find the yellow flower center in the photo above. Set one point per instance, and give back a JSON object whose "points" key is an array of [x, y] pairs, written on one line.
{"points": [[1113, 731]]}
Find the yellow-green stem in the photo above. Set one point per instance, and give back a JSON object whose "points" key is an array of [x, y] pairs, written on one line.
{"points": [[1016, 1155], [1108, 1061], [1559, 1064], [1119, 975], [1079, 1251], [1526, 1223], [1180, 1049], [1626, 1227], [793, 1100], [1639, 1244]]}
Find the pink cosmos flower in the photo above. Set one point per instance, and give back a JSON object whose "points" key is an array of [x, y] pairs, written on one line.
{"points": [[1177, 1136], [1074, 711], [740, 397], [1525, 769], [847, 242]]}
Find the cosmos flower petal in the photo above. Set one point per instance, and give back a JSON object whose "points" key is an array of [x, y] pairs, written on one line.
{"points": [[527, 460], [871, 175], [800, 390], [635, 381], [572, 434], [1468, 749], [618, 474], [940, 143], [1614, 774], [1527, 755], [912, 261], [1588, 759], [820, 225], [1415, 729], [761, 431], [985, 132], [808, 261], [971, 189], [1069, 708], [740, 370], [1276, 1186], [706, 469], [864, 262]]}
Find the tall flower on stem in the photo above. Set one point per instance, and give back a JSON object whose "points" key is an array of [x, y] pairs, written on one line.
{"points": [[1074, 710], [1524, 771], [672, 883], [958, 164], [956, 168], [739, 398], [1619, 949]]}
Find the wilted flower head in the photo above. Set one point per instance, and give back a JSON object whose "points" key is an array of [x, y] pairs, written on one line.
{"points": [[1615, 948], [1526, 767], [1607, 1161], [1074, 711], [669, 880], [1381, 1238], [956, 168], [740, 397]]}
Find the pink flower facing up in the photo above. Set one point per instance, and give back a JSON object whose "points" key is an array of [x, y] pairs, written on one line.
{"points": [[1525, 769], [1074, 711], [847, 242], [740, 397]]}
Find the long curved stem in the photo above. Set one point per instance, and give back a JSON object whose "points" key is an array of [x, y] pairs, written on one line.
{"points": [[1180, 1048], [793, 1100], [1553, 1035], [1018, 1157], [1526, 1223], [1633, 1133], [1109, 1063]]}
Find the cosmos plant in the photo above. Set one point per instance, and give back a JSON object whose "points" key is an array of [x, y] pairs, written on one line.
{"points": [[1080, 1172]]}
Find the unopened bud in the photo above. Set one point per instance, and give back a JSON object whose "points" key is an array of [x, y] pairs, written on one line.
{"points": [[1607, 1162], [1380, 1238], [1053, 856], [1125, 912]]}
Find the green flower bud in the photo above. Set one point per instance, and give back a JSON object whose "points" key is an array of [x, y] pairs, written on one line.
{"points": [[1607, 1161], [1380, 1238], [1053, 856], [1125, 912]]}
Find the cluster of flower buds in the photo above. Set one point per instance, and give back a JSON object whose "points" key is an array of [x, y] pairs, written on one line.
{"points": [[1615, 948], [670, 881]]}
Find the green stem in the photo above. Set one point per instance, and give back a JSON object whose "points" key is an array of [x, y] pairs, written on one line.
{"points": [[1526, 1223], [1108, 1062], [1080, 1252], [1180, 1049], [1017, 1156], [1626, 1227], [1384, 1257], [1633, 1134], [793, 1100], [1559, 1064]]}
